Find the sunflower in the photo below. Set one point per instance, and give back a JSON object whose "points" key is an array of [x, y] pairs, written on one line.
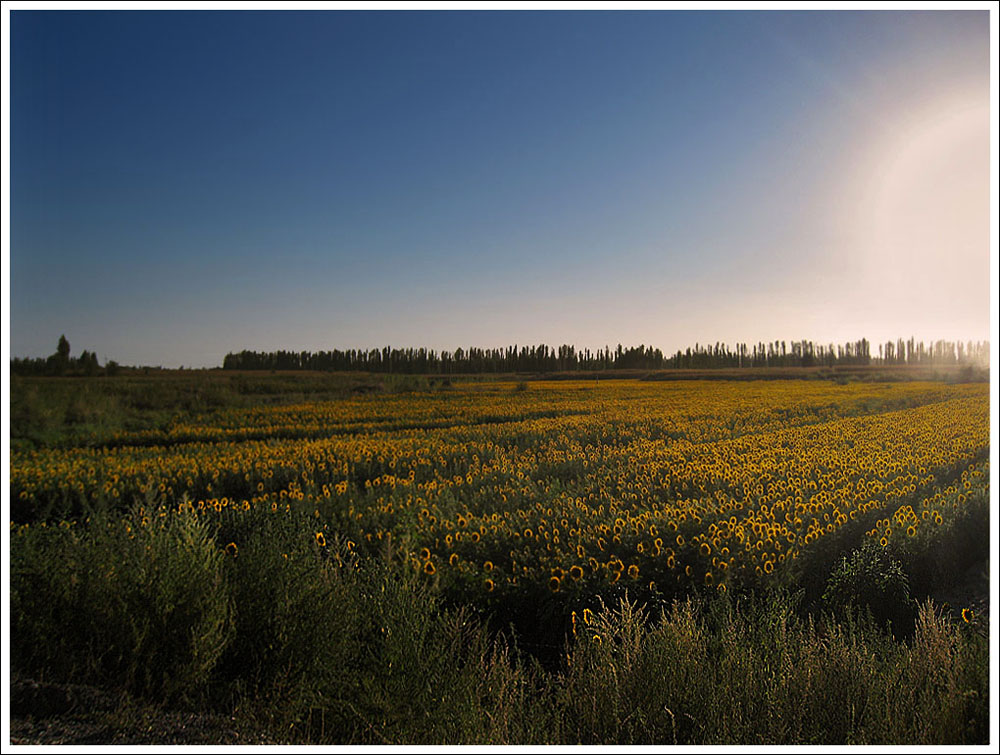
{"points": [[320, 539]]}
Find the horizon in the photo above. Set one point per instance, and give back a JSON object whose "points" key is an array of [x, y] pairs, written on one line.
{"points": [[817, 349], [188, 184]]}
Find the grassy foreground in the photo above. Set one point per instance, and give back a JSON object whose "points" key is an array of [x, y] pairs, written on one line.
{"points": [[313, 644]]}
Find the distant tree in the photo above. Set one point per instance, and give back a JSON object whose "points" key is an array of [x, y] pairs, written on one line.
{"points": [[58, 363], [88, 363]]}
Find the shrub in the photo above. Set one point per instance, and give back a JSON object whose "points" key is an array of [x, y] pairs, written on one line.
{"points": [[870, 580], [132, 603], [295, 615]]}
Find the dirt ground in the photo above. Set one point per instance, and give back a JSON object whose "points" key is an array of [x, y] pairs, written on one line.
{"points": [[73, 714]]}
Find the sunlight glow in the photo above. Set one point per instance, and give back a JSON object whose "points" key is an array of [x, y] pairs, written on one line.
{"points": [[929, 215], [920, 219]]}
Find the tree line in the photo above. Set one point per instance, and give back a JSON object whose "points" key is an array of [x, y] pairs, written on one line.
{"points": [[543, 358], [566, 358], [61, 363]]}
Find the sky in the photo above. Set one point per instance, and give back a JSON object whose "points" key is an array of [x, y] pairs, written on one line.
{"points": [[188, 183]]}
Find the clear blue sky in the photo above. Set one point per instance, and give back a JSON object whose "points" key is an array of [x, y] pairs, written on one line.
{"points": [[185, 184]]}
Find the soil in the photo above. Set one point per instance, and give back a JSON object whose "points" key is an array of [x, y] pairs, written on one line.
{"points": [[75, 714]]}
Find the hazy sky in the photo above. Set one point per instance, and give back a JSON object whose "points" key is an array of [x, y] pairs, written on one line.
{"points": [[185, 184]]}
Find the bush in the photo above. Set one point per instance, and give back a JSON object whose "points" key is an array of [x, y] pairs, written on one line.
{"points": [[296, 617], [133, 603], [870, 580]]}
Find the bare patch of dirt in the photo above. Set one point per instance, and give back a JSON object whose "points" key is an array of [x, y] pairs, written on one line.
{"points": [[72, 714]]}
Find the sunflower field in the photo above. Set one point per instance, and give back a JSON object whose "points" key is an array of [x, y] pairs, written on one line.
{"points": [[536, 505]]}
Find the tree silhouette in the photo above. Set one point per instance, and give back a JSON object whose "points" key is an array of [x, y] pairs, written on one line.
{"points": [[59, 362]]}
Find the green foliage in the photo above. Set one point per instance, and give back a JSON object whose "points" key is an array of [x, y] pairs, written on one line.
{"points": [[628, 682], [46, 412], [133, 603], [939, 685], [295, 617], [870, 580], [313, 643], [755, 672]]}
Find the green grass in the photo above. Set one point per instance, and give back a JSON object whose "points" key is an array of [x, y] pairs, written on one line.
{"points": [[64, 412]]}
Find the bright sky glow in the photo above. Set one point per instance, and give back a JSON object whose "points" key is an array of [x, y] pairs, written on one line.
{"points": [[185, 184]]}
